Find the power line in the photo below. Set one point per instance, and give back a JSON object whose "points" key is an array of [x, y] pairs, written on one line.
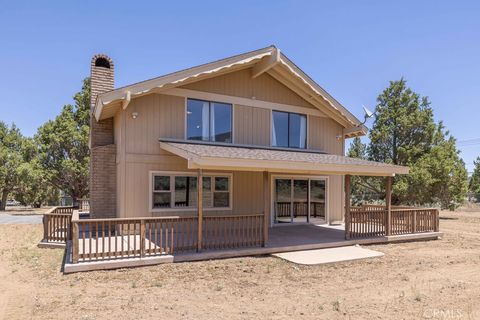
{"points": [[469, 142]]}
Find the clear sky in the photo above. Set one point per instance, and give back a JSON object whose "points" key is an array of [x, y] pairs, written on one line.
{"points": [[351, 48]]}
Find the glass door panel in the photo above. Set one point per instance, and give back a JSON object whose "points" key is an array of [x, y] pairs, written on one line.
{"points": [[300, 200], [283, 200], [317, 201]]}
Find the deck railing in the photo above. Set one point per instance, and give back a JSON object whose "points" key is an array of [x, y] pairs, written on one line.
{"points": [[84, 204], [105, 239], [371, 221], [57, 225], [229, 232], [300, 209]]}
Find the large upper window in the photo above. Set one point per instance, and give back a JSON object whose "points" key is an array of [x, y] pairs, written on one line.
{"points": [[289, 130], [179, 191], [209, 121]]}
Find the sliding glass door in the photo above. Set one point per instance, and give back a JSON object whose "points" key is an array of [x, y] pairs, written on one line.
{"points": [[299, 200]]}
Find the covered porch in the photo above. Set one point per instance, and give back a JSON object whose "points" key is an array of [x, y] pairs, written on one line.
{"points": [[122, 242]]}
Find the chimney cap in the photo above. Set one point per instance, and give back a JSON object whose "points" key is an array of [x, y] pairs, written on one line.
{"points": [[102, 61]]}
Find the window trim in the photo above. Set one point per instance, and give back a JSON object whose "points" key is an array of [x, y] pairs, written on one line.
{"points": [[172, 175], [232, 117], [288, 129]]}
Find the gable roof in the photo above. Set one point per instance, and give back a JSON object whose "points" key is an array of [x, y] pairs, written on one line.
{"points": [[268, 59]]}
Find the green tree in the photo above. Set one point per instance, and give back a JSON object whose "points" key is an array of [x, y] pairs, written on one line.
{"points": [[363, 189], [404, 128], [357, 149], [63, 146], [474, 184], [439, 176], [405, 133], [10, 159], [33, 188]]}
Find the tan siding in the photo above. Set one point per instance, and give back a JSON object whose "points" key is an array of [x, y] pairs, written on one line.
{"points": [[247, 188], [159, 116], [335, 198], [241, 84], [322, 135], [164, 116], [251, 125]]}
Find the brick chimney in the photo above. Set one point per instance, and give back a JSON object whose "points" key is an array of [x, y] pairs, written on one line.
{"points": [[102, 182], [101, 81]]}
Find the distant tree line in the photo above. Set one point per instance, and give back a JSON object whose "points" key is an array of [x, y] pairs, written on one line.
{"points": [[35, 170], [404, 133]]}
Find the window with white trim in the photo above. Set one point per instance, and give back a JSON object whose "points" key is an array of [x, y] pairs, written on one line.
{"points": [[179, 191]]}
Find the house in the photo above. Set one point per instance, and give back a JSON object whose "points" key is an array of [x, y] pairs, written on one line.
{"points": [[264, 141]]}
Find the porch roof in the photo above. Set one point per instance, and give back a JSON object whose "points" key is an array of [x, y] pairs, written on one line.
{"points": [[202, 155]]}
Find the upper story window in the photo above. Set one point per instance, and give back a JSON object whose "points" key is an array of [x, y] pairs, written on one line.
{"points": [[209, 121], [289, 130]]}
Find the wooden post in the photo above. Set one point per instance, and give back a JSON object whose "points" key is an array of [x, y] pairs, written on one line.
{"points": [[200, 209], [347, 206], [45, 228], [142, 238], [388, 202], [75, 242], [414, 228], [266, 207]]}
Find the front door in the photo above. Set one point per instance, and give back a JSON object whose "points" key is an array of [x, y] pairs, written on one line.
{"points": [[299, 200]]}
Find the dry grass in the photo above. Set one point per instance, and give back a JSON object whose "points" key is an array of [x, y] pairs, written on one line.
{"points": [[433, 280], [21, 210]]}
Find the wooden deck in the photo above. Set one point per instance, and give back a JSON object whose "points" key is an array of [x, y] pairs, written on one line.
{"points": [[302, 237], [281, 239]]}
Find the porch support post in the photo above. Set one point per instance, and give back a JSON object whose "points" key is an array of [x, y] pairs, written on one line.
{"points": [[200, 209], [388, 203], [266, 207], [347, 206]]}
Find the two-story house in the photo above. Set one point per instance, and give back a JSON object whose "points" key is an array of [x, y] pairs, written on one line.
{"points": [[250, 136]]}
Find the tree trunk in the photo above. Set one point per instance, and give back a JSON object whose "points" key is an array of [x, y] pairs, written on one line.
{"points": [[75, 201], [4, 200]]}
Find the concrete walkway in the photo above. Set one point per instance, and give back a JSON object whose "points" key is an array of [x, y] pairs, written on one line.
{"points": [[6, 218], [331, 255]]}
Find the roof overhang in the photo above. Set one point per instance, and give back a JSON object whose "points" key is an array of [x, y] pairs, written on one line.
{"points": [[219, 157], [267, 60]]}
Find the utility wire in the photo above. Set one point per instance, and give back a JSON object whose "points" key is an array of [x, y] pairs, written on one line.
{"points": [[469, 142]]}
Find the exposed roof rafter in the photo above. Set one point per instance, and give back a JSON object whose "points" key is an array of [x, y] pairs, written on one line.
{"points": [[266, 63]]}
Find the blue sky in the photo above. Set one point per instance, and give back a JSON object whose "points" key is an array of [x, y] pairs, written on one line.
{"points": [[351, 48]]}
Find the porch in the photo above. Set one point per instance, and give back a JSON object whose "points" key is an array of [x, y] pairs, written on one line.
{"points": [[166, 241], [272, 227], [94, 244]]}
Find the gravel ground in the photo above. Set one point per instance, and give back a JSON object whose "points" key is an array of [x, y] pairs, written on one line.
{"points": [[416, 280]]}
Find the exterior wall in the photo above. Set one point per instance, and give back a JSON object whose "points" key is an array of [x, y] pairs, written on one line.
{"points": [[322, 135], [251, 126], [103, 171], [241, 84], [163, 116]]}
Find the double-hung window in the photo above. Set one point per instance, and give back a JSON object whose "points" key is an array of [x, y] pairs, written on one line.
{"points": [[209, 121], [289, 130], [179, 191]]}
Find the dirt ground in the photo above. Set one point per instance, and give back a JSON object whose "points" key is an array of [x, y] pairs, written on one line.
{"points": [[420, 280]]}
